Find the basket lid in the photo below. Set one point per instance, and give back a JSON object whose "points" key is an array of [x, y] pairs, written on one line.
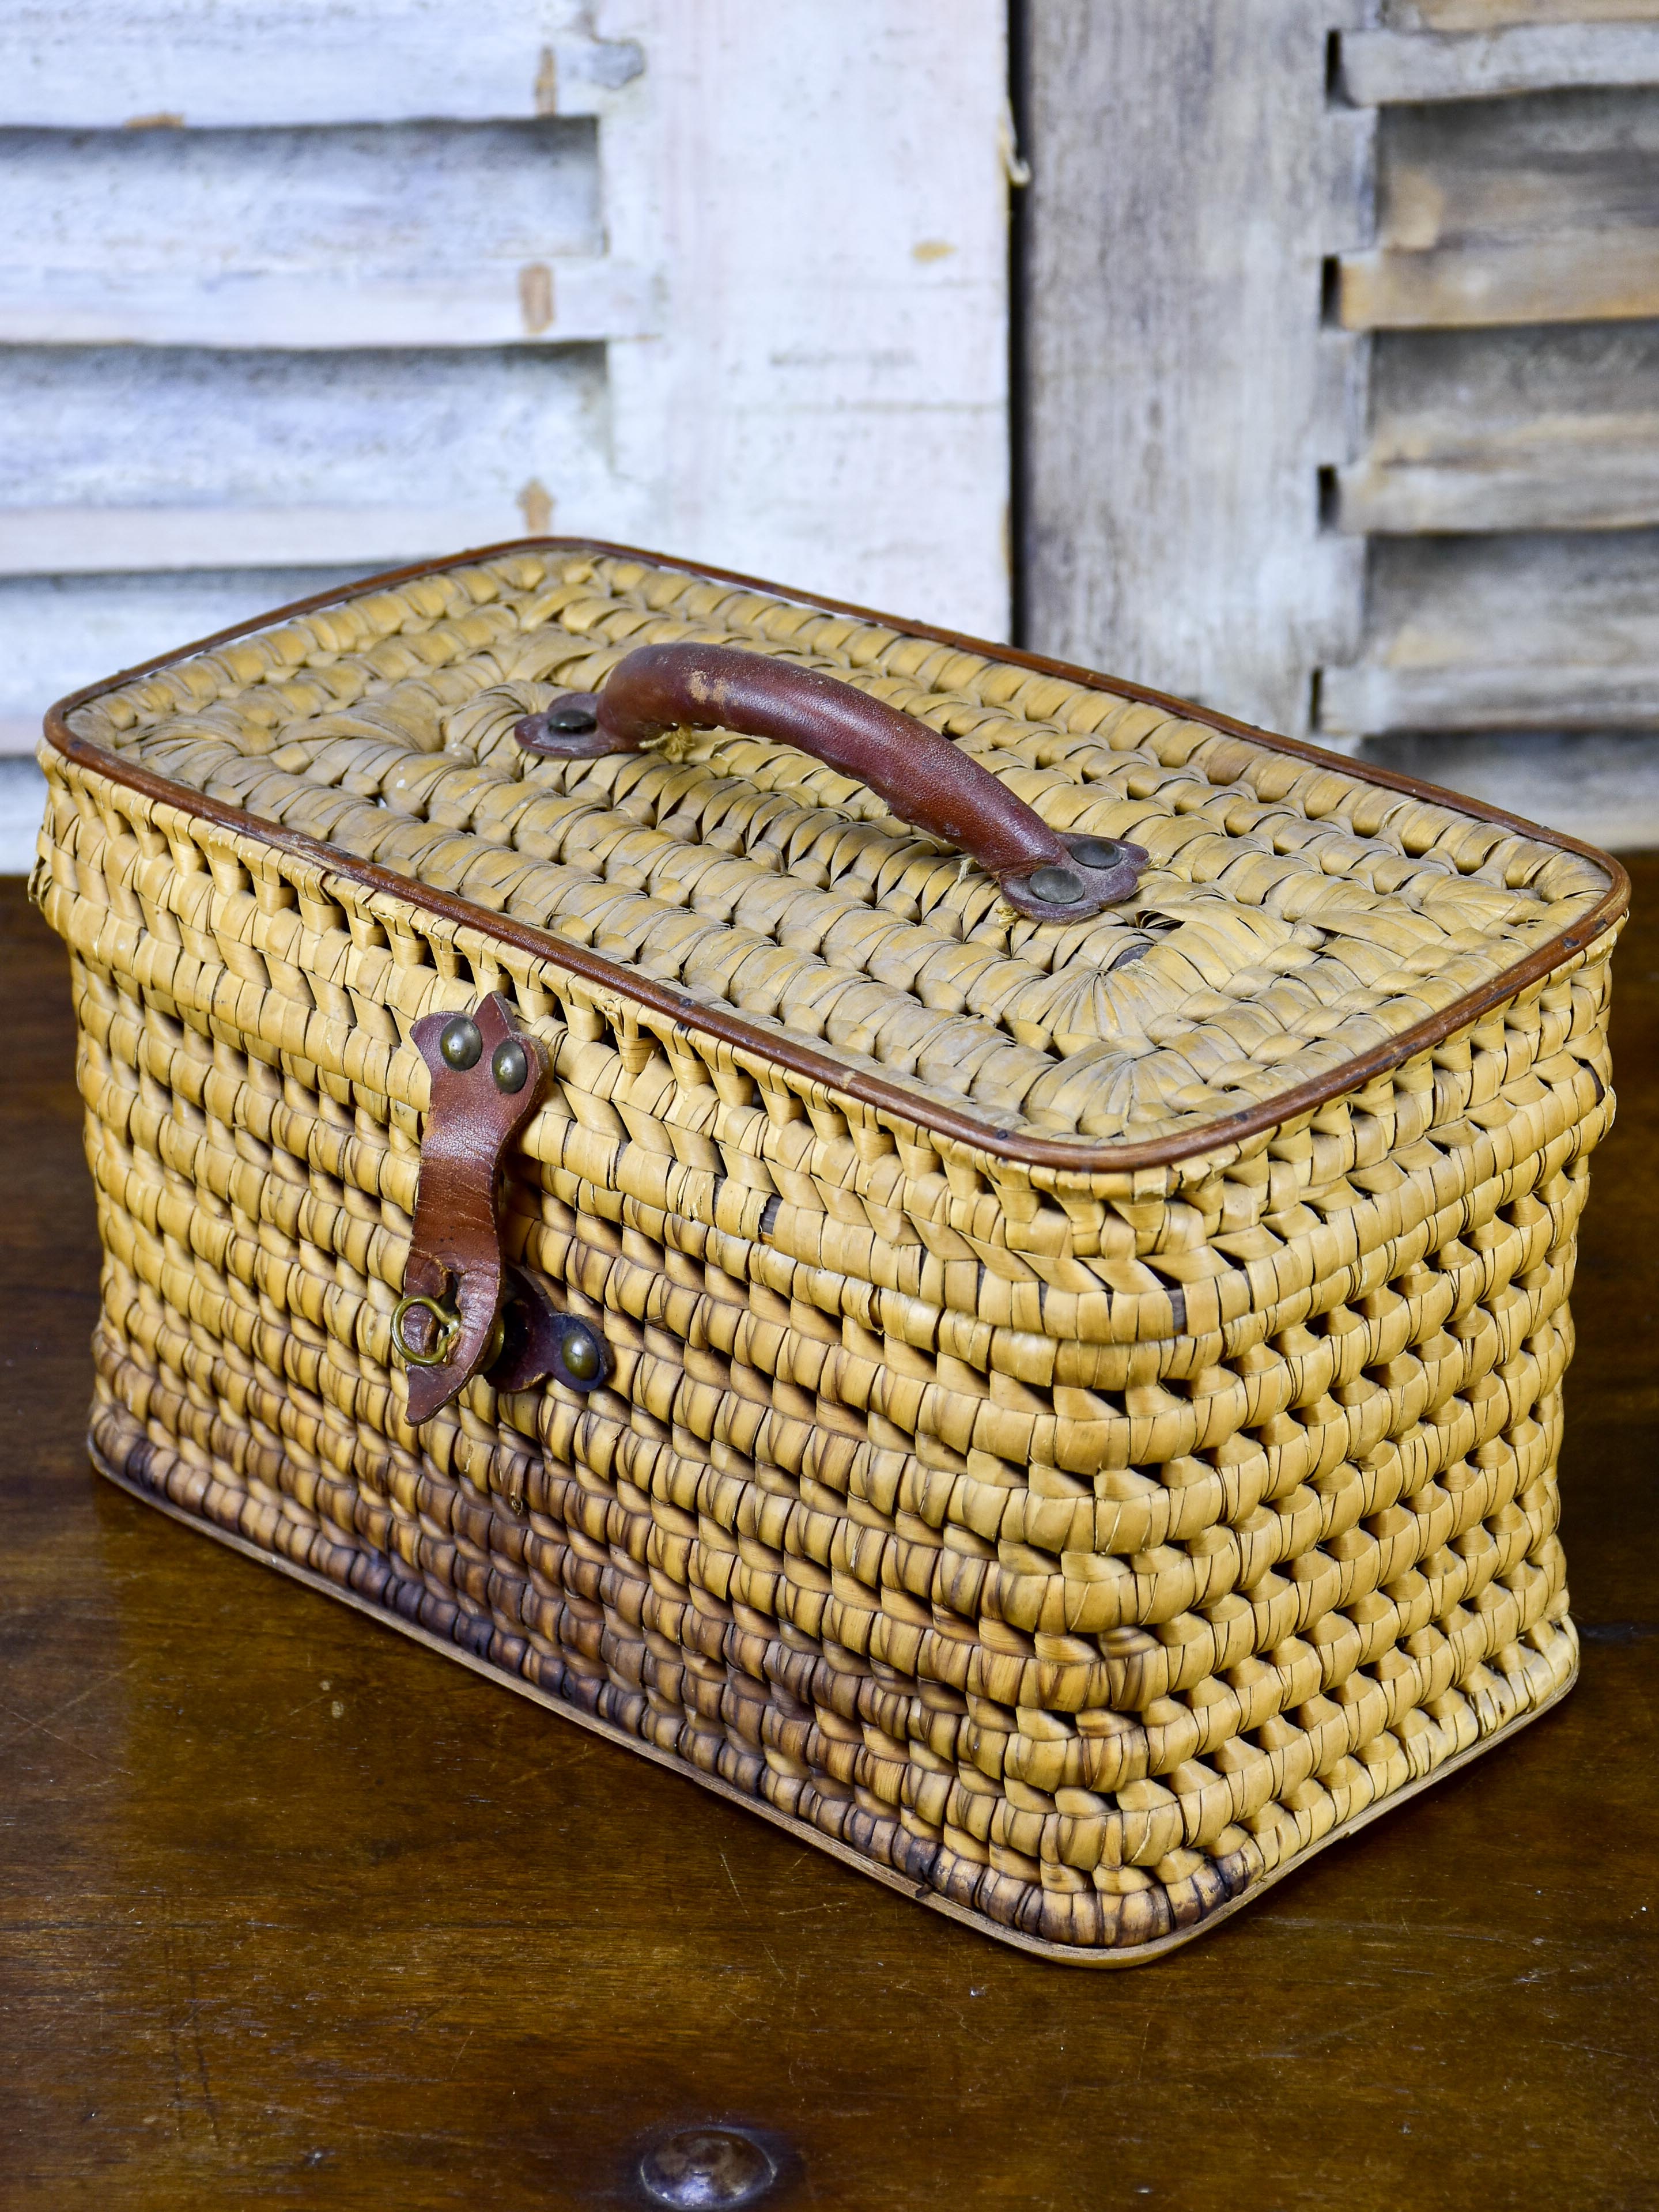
{"points": [[1304, 924]]}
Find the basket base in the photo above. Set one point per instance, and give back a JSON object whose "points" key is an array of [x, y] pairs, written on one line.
{"points": [[802, 1831]]}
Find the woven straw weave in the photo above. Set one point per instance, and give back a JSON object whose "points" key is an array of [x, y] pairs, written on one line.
{"points": [[1076, 1539]]}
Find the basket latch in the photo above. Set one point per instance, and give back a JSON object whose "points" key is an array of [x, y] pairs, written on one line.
{"points": [[465, 1308]]}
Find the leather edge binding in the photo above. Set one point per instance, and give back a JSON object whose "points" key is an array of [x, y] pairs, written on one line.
{"points": [[1075, 1156]]}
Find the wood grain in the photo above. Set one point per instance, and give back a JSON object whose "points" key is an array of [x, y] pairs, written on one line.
{"points": [[1536, 211], [381, 202], [1188, 178], [1550, 279], [1488, 430], [1496, 15], [1380, 68], [1545, 632], [304, 62], [299, 1914]]}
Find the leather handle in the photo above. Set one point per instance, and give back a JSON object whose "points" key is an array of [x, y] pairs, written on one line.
{"points": [[926, 780]]}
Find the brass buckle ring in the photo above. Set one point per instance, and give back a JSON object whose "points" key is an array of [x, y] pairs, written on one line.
{"points": [[448, 1323]]}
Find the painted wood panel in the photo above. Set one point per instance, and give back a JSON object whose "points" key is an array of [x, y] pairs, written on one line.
{"points": [[140, 457], [1530, 429], [1510, 632], [1383, 67], [1497, 15], [198, 426], [1535, 211], [201, 204], [1189, 177], [262, 62], [440, 234], [829, 404]]}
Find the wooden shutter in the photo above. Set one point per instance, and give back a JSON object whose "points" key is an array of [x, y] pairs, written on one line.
{"points": [[1508, 485], [1190, 176], [1343, 345]]}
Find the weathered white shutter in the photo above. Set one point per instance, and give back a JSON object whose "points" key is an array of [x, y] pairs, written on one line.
{"points": [[290, 290]]}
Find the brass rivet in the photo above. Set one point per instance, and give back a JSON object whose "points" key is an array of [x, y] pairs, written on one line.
{"points": [[581, 1354], [510, 1066], [1094, 852], [712, 2167], [461, 1041], [1056, 886]]}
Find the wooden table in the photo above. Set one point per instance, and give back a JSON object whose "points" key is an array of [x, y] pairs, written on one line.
{"points": [[298, 1913]]}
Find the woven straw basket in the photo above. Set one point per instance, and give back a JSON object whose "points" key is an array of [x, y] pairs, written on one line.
{"points": [[1053, 1396]]}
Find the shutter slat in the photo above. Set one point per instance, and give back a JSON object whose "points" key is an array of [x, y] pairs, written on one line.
{"points": [[78, 541], [1509, 481], [548, 302], [1525, 211], [1385, 68], [1533, 430], [436, 234], [1525, 632], [111, 64]]}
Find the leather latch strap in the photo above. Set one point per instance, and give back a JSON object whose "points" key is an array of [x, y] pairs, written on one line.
{"points": [[486, 1081]]}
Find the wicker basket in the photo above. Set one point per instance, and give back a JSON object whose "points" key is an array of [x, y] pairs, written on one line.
{"points": [[1059, 1408]]}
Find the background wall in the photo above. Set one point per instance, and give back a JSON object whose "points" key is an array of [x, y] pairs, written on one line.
{"points": [[290, 291], [1341, 327]]}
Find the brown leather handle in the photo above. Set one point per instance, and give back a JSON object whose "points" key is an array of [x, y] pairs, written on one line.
{"points": [[925, 779]]}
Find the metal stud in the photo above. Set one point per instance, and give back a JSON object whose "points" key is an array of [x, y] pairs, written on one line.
{"points": [[461, 1042], [707, 2167], [582, 1359], [1095, 852], [509, 1064], [1057, 886], [566, 731]]}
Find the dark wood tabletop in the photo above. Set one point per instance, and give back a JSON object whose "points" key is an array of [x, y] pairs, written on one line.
{"points": [[299, 1913]]}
